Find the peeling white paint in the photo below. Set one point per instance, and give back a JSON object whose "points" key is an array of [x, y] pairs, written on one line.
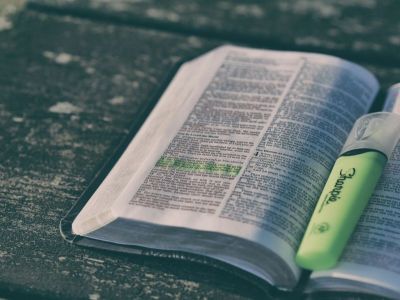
{"points": [[394, 40], [117, 100], [94, 296], [361, 45], [249, 10], [189, 285], [64, 108], [140, 73], [67, 154], [308, 40], [194, 42], [149, 275], [18, 119], [95, 260], [49, 54], [162, 15], [358, 3], [90, 70], [63, 58], [323, 9], [56, 182], [5, 22], [60, 58], [118, 79]]}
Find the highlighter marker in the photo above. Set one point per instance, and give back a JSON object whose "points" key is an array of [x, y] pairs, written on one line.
{"points": [[346, 193]]}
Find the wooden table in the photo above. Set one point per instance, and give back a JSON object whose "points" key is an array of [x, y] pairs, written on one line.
{"points": [[76, 74]]}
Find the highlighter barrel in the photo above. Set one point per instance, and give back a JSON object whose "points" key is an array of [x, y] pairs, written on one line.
{"points": [[344, 197], [347, 191]]}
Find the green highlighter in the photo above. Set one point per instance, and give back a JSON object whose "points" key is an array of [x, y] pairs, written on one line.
{"points": [[348, 189]]}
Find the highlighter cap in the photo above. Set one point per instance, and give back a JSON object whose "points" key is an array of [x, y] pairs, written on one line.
{"points": [[377, 131], [392, 102]]}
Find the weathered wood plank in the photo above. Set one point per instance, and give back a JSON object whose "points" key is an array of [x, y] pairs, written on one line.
{"points": [[367, 29]]}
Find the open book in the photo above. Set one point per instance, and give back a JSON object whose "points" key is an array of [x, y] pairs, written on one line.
{"points": [[230, 164]]}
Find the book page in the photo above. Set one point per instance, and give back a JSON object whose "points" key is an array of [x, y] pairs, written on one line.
{"points": [[373, 253], [249, 149], [159, 123]]}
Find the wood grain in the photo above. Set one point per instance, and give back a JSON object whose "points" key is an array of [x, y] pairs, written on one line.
{"points": [[71, 87]]}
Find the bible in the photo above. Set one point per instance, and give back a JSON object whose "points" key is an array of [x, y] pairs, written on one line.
{"points": [[228, 166]]}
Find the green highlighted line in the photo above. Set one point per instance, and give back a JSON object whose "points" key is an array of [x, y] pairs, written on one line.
{"points": [[194, 166]]}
